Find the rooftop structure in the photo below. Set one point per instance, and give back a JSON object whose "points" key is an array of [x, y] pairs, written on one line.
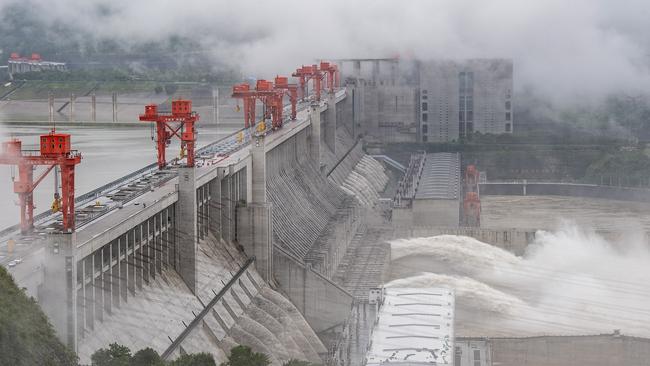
{"points": [[414, 326]]}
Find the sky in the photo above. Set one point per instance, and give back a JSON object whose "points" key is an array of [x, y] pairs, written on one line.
{"points": [[563, 49]]}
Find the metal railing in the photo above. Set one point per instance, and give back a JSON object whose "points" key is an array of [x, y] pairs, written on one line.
{"points": [[408, 185]]}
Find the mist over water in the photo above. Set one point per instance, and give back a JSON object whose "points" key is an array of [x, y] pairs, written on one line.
{"points": [[569, 282]]}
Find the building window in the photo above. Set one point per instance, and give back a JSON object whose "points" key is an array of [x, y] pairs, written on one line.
{"points": [[425, 117], [424, 97], [507, 116], [424, 91], [508, 127], [457, 356], [425, 106], [425, 129], [424, 138], [465, 102], [477, 357], [507, 105]]}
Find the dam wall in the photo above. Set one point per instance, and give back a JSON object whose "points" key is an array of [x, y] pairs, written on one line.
{"points": [[302, 198], [201, 261], [248, 312]]}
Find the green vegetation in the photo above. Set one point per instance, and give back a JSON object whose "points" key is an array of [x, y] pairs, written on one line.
{"points": [[26, 335], [244, 356], [91, 57], [35, 89], [119, 355], [583, 159], [629, 168], [298, 363]]}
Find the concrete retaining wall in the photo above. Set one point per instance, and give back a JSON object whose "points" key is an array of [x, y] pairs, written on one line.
{"points": [[322, 303], [565, 189], [514, 241], [599, 350]]}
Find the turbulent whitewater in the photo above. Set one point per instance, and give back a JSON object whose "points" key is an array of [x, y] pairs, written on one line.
{"points": [[568, 282]]}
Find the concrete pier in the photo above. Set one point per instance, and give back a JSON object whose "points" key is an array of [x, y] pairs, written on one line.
{"points": [[186, 226], [331, 121]]}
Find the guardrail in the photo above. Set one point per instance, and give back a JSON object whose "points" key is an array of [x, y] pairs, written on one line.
{"points": [[197, 320]]}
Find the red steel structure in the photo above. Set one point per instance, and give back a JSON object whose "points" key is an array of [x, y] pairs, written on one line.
{"points": [[332, 72], [306, 73], [179, 123], [55, 150], [270, 97], [272, 94], [282, 83], [472, 200]]}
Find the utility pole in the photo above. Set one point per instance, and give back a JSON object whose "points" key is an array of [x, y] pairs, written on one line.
{"points": [[93, 108], [114, 107]]}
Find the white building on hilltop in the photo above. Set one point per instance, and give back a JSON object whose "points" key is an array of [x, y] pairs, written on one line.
{"points": [[17, 64]]}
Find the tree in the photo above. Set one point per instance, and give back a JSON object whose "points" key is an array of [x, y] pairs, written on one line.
{"points": [[146, 357], [26, 335], [115, 355], [195, 359], [294, 362], [244, 356], [118, 355]]}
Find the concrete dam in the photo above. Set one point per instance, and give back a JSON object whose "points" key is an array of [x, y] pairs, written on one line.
{"points": [[241, 249]]}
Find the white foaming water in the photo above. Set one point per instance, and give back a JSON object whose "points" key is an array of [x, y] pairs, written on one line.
{"points": [[365, 181], [569, 282]]}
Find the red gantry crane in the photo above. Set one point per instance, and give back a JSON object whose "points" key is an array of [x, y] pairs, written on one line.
{"points": [[282, 83], [270, 97], [55, 150], [332, 72], [179, 123], [306, 73]]}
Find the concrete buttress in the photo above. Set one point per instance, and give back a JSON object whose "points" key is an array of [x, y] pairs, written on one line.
{"points": [[330, 123], [186, 226], [254, 228]]}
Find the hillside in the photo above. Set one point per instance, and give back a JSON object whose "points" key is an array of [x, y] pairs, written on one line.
{"points": [[26, 335]]}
